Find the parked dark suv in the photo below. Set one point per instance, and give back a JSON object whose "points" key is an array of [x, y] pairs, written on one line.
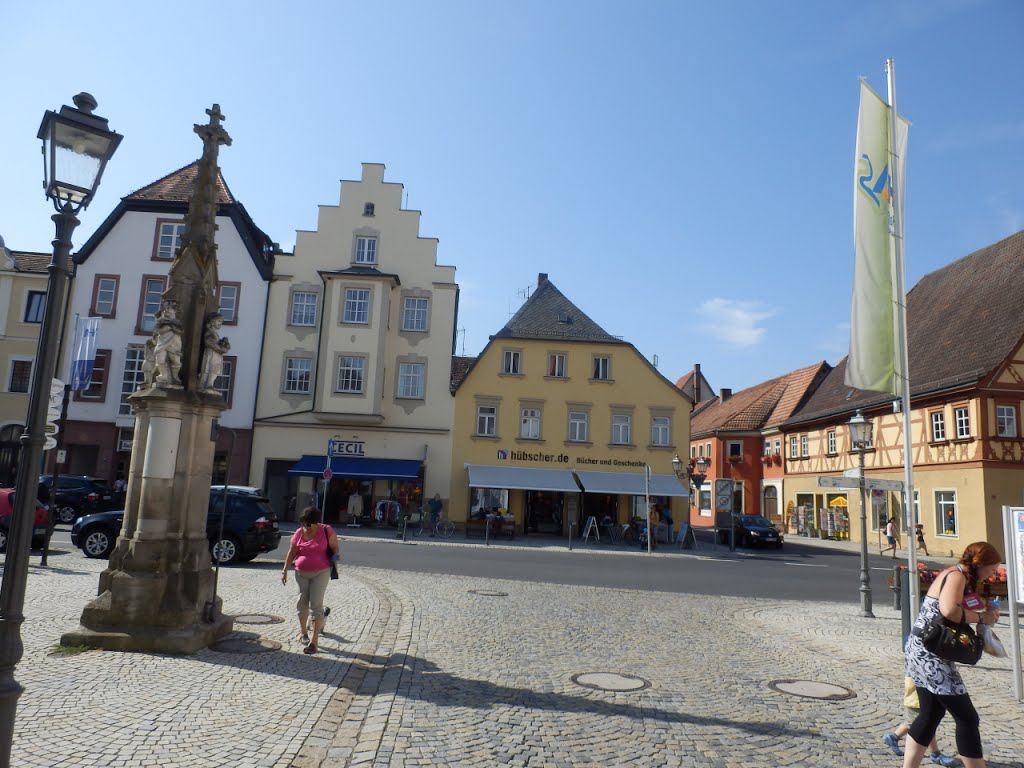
{"points": [[77, 495], [250, 527]]}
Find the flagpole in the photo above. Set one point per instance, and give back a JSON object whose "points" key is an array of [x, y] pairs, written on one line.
{"points": [[903, 371]]}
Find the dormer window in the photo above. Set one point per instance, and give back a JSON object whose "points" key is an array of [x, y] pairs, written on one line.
{"points": [[565, 317], [368, 209]]}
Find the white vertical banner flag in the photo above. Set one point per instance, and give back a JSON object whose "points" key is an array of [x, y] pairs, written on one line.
{"points": [[83, 352], [873, 360]]}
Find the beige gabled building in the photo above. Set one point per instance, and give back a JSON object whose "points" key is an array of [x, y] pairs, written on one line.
{"points": [[22, 298], [357, 355]]}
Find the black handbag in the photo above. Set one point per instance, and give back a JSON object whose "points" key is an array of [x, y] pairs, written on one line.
{"points": [[330, 554], [952, 642]]}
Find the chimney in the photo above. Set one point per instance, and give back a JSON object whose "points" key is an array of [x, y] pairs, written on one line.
{"points": [[696, 382], [724, 394], [542, 278]]}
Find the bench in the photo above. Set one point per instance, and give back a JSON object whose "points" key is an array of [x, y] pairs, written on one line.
{"points": [[506, 528]]}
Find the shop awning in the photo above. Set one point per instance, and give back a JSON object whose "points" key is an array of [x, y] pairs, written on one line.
{"points": [[521, 478], [631, 483], [342, 466]]}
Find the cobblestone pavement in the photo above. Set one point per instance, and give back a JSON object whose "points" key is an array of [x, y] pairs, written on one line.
{"points": [[421, 670]]}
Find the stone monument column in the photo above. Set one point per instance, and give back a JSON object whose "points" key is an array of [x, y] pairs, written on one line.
{"points": [[155, 593]]}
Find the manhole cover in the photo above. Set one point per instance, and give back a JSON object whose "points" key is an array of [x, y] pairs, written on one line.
{"points": [[245, 645], [488, 593], [812, 689], [610, 681], [258, 618]]}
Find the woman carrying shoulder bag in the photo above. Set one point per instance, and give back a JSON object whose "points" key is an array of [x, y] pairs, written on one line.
{"points": [[939, 687], [312, 548]]}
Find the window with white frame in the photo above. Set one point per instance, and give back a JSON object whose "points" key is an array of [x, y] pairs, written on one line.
{"points": [[511, 361], [578, 426], [132, 377], [946, 520], [661, 430], [705, 502], [21, 376], [152, 292], [693, 451], [35, 306], [351, 374], [621, 423], [803, 446], [700, 450], [529, 423], [962, 417], [104, 296], [357, 305], [368, 209], [487, 420], [938, 419], [411, 381], [556, 365], [227, 298], [735, 449], [303, 309], [97, 388], [777, 446], [707, 450], [1006, 420], [767, 447], [602, 367], [169, 239], [297, 374], [414, 314], [793, 452], [225, 382], [366, 250], [831, 441]]}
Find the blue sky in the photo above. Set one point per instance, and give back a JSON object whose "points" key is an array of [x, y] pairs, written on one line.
{"points": [[681, 170]]}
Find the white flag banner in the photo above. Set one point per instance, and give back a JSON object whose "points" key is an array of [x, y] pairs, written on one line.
{"points": [[83, 353], [873, 360]]}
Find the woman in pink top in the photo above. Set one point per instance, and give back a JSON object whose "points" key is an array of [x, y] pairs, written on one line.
{"points": [[312, 548]]}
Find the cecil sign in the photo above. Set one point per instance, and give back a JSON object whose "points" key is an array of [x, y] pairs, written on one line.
{"points": [[346, 448]]}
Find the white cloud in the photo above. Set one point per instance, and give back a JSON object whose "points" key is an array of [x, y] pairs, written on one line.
{"points": [[734, 322]]}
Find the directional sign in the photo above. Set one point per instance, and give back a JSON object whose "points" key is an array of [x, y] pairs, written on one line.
{"points": [[854, 482]]}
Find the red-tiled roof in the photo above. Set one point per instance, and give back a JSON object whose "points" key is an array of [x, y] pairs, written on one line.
{"points": [[178, 186], [31, 262], [460, 367], [763, 405]]}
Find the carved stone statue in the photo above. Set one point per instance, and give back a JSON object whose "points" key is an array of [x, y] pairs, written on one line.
{"points": [[167, 346], [214, 349]]}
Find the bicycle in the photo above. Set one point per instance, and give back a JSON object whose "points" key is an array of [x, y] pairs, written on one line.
{"points": [[442, 528]]}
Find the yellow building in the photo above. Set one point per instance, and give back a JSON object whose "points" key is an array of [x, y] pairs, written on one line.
{"points": [[965, 328], [556, 420], [23, 298]]}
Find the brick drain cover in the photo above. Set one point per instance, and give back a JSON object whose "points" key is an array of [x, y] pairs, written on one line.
{"points": [[258, 618], [812, 689], [611, 681], [245, 645], [488, 593]]}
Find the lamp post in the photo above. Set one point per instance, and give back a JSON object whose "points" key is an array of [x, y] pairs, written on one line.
{"points": [[76, 147], [697, 477], [860, 437]]}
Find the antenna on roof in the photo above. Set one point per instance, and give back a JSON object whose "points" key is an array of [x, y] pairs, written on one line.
{"points": [[525, 292]]}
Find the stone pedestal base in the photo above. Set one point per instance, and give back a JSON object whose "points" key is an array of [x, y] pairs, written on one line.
{"points": [[154, 594]]}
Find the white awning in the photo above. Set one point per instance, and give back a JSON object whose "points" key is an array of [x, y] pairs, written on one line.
{"points": [[521, 478], [631, 483]]}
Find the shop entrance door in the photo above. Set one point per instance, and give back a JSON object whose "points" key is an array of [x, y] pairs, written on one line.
{"points": [[544, 512]]}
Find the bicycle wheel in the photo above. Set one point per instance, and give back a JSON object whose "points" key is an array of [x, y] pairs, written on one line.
{"points": [[445, 529]]}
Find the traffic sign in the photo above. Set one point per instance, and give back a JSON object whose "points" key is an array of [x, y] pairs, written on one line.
{"points": [[855, 482], [328, 474], [723, 493]]}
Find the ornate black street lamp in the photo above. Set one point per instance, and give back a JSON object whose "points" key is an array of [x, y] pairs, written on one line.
{"points": [[695, 472], [76, 147], [860, 439]]}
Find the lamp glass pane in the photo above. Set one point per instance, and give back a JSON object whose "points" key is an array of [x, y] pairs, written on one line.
{"points": [[78, 157]]}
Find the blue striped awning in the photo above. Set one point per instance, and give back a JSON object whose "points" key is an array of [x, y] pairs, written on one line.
{"points": [[343, 466]]}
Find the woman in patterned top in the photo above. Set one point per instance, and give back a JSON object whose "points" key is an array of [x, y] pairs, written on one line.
{"points": [[939, 687]]}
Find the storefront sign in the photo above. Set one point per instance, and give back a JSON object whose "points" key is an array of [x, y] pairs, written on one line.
{"points": [[346, 448], [562, 458]]}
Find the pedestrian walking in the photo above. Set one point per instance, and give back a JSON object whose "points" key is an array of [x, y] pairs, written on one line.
{"points": [[939, 686], [919, 532], [434, 506], [890, 536], [912, 705], [313, 548]]}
